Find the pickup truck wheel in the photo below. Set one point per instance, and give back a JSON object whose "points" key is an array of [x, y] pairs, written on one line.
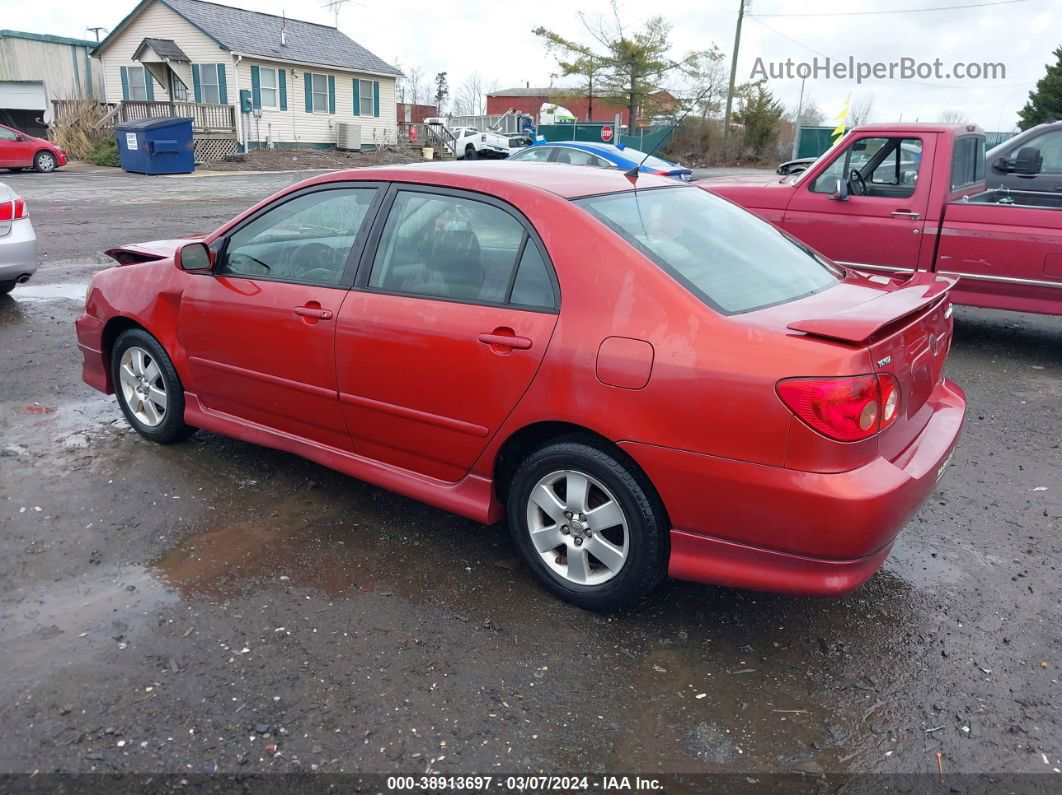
{"points": [[148, 388], [471, 153], [588, 524]]}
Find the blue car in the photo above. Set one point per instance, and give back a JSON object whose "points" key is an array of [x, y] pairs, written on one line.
{"points": [[582, 153]]}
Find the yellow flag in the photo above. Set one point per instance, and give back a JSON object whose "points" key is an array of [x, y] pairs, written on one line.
{"points": [[842, 117]]}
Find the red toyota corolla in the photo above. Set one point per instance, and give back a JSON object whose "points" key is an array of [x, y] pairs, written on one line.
{"points": [[643, 379]]}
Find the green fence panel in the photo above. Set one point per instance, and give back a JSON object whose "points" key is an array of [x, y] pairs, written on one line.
{"points": [[643, 139], [814, 141]]}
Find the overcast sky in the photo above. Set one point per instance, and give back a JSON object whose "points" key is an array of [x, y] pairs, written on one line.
{"points": [[494, 38]]}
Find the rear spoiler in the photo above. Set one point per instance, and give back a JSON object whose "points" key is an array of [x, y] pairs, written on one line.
{"points": [[860, 323]]}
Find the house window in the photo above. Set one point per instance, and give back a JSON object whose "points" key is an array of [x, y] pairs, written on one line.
{"points": [[178, 90], [137, 86], [319, 87], [267, 84], [365, 98], [208, 83]]}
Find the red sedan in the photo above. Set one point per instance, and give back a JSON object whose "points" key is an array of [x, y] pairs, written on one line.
{"points": [[19, 150], [642, 381]]}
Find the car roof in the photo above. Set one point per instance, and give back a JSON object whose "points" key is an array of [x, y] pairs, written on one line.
{"points": [[589, 146], [568, 182]]}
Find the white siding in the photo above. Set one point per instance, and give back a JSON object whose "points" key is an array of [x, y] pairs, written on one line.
{"points": [[295, 125], [158, 21]]}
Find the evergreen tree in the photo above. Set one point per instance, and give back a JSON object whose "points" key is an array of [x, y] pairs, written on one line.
{"points": [[1045, 102]]}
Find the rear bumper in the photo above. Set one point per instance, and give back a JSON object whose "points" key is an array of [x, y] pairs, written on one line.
{"points": [[90, 342], [775, 529], [18, 251]]}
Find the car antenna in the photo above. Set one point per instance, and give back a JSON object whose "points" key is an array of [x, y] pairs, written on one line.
{"points": [[632, 174]]}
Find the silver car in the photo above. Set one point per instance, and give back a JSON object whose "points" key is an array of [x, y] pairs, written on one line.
{"points": [[18, 241]]}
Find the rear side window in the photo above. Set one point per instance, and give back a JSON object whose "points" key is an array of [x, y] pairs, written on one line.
{"points": [[729, 258], [967, 161]]}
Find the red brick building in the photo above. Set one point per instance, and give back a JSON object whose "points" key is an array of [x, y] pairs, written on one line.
{"points": [[531, 100]]}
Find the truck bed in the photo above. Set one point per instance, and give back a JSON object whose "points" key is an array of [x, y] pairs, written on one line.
{"points": [[1017, 198]]}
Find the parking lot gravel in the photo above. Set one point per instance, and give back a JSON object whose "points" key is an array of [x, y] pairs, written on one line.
{"points": [[215, 606]]}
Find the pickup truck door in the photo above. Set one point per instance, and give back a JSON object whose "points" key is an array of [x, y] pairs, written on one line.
{"points": [[878, 227]]}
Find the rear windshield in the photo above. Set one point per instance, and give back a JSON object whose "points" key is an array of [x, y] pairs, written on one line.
{"points": [[732, 260], [651, 161]]}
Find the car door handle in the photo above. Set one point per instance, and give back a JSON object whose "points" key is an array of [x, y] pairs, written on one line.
{"points": [[906, 214], [314, 311], [505, 341]]}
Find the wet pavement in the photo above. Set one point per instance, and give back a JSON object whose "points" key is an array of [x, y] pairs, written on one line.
{"points": [[214, 605]]}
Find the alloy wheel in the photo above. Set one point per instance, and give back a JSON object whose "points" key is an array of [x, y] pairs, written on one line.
{"points": [[143, 387], [578, 527]]}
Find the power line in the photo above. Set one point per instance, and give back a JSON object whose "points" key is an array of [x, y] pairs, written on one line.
{"points": [[894, 10]]}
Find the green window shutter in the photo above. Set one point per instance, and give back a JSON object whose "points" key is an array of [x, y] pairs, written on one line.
{"points": [[196, 89], [149, 85], [307, 80], [223, 90], [357, 97], [331, 94], [282, 88], [256, 87], [125, 82], [376, 98]]}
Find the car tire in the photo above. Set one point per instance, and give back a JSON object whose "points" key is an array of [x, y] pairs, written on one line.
{"points": [[471, 153], [44, 162], [147, 387], [630, 518], [7, 286]]}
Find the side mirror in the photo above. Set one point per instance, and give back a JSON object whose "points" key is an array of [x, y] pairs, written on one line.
{"points": [[840, 192], [1028, 162], [194, 257], [1001, 166]]}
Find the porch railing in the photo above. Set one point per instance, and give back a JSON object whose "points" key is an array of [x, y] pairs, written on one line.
{"points": [[205, 118]]}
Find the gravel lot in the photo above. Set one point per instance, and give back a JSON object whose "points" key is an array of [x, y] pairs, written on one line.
{"points": [[218, 606]]}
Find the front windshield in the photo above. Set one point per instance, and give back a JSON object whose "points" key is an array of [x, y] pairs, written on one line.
{"points": [[729, 258]]}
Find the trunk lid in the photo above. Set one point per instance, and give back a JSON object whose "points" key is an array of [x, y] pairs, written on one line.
{"points": [[907, 331]]}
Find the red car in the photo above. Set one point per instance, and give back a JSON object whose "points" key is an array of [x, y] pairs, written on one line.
{"points": [[642, 381], [19, 150]]}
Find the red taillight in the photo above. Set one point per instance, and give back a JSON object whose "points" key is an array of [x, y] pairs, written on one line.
{"points": [[13, 210], [847, 409]]}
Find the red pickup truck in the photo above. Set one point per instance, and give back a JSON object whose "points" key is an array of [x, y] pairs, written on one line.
{"points": [[901, 198]]}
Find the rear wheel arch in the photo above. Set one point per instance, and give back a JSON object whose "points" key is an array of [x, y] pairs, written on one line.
{"points": [[525, 441]]}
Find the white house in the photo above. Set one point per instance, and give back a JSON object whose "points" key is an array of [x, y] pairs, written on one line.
{"points": [[297, 79]]}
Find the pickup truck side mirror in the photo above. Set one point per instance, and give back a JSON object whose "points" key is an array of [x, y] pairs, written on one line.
{"points": [[1001, 165], [840, 191], [1029, 161]]}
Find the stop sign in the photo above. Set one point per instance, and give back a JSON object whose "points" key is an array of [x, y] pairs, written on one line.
{"points": [[606, 133]]}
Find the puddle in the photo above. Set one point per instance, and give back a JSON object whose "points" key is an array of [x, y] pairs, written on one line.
{"points": [[49, 292], [78, 621]]}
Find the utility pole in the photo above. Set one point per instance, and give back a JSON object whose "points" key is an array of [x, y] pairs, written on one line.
{"points": [[96, 31], [733, 71]]}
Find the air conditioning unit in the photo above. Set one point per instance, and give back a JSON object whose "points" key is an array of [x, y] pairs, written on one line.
{"points": [[348, 135]]}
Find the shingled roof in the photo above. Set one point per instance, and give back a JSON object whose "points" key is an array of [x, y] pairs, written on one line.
{"points": [[258, 35]]}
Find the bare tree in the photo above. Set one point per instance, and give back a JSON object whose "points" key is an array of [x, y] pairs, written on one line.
{"points": [[953, 117], [469, 97], [859, 110], [811, 115], [415, 87]]}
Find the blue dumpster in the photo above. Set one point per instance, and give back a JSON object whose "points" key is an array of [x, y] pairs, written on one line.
{"points": [[156, 146]]}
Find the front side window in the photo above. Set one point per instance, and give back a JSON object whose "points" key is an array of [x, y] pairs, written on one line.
{"points": [[306, 239], [729, 258], [365, 98], [319, 89], [447, 247], [579, 157], [267, 86], [876, 167], [1050, 146], [137, 76]]}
